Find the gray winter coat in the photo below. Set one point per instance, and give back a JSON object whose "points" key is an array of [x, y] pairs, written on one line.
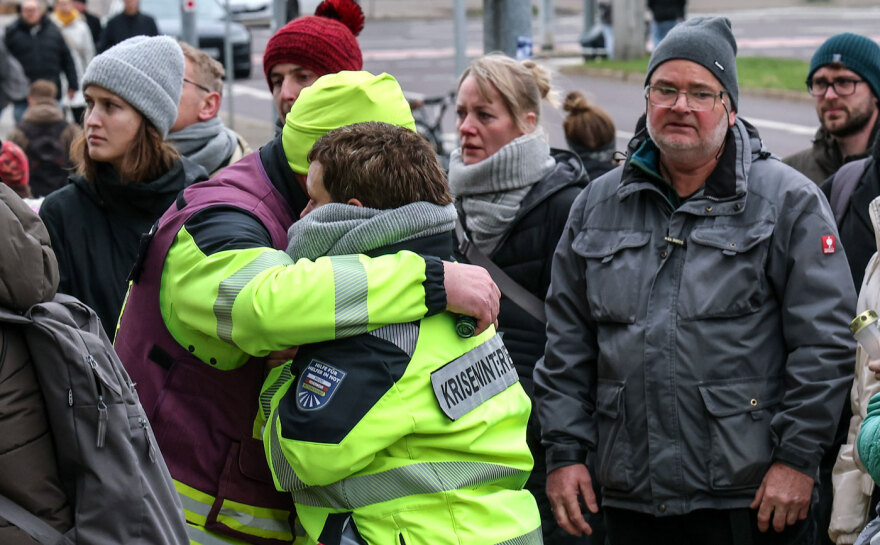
{"points": [[689, 349]]}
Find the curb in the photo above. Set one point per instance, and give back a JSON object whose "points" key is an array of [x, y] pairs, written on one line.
{"points": [[638, 77]]}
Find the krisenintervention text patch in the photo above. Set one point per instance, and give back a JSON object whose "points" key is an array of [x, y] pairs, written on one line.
{"points": [[467, 382]]}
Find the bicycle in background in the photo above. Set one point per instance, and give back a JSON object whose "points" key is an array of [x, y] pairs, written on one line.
{"points": [[428, 114]]}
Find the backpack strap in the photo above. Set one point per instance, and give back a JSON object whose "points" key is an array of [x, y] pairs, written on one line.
{"points": [[843, 183], [511, 289], [30, 523]]}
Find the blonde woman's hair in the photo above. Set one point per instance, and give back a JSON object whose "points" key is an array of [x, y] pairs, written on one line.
{"points": [[521, 84]]}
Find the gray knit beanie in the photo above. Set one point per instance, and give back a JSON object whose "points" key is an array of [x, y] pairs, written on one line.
{"points": [[707, 41], [145, 72], [854, 51]]}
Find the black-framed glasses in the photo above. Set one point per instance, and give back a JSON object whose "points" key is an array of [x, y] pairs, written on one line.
{"points": [[842, 86], [202, 87], [698, 100]]}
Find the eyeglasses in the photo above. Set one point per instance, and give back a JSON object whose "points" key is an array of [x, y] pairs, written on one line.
{"points": [[698, 100], [842, 86], [202, 87]]}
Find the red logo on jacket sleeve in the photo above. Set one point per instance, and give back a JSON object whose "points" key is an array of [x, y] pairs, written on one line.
{"points": [[828, 244]]}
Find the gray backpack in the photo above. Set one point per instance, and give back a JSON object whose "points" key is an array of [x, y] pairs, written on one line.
{"points": [[114, 476]]}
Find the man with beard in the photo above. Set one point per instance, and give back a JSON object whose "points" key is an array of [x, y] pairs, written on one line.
{"points": [[685, 369], [844, 80]]}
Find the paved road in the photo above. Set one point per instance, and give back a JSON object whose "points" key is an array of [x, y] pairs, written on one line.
{"points": [[420, 54]]}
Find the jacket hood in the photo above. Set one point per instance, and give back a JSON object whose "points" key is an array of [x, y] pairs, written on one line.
{"points": [[728, 181], [28, 269], [46, 112]]}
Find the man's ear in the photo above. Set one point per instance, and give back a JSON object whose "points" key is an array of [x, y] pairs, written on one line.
{"points": [[210, 106], [355, 202], [731, 118]]}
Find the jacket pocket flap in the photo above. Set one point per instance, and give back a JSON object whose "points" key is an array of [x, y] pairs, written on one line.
{"points": [[252, 460], [596, 243], [731, 398], [733, 240], [609, 397]]}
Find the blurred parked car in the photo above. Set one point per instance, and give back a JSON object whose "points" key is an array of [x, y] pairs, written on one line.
{"points": [[210, 26], [259, 12]]}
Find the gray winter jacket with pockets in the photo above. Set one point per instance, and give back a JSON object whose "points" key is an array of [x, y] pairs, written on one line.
{"points": [[690, 348]]}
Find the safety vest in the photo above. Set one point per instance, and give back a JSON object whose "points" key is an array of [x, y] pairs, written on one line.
{"points": [[203, 417]]}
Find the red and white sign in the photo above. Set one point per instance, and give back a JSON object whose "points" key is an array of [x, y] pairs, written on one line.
{"points": [[829, 245], [189, 6]]}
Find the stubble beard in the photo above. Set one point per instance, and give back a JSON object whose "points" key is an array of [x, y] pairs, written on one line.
{"points": [[855, 124], [688, 152]]}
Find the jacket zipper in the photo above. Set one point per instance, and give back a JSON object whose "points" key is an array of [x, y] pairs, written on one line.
{"points": [[150, 450]]}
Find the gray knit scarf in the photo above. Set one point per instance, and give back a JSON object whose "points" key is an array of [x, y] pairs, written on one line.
{"points": [[208, 143], [342, 229], [492, 190]]}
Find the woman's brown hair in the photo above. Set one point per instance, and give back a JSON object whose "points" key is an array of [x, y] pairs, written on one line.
{"points": [[147, 158], [586, 124]]}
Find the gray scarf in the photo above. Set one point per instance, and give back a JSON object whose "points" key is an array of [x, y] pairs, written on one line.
{"points": [[492, 190], [343, 229], [208, 143]]}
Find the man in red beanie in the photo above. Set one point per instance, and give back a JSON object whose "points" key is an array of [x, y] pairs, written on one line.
{"points": [[309, 47]]}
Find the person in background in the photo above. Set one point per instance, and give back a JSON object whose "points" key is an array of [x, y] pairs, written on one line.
{"points": [[78, 37], [513, 194], [309, 47], [92, 20], [127, 176], [844, 79], [28, 470], [685, 370], [14, 169], [378, 189], [122, 26], [213, 295], [590, 133], [46, 137], [855, 494], [40, 48], [665, 14], [198, 133]]}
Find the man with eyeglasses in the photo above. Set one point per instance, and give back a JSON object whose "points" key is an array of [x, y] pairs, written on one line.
{"points": [[844, 80], [697, 348], [198, 132]]}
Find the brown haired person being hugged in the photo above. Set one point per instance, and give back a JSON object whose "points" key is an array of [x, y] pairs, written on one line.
{"points": [[127, 175], [513, 194]]}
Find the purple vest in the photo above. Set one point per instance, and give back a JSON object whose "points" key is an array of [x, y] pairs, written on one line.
{"points": [[203, 418]]}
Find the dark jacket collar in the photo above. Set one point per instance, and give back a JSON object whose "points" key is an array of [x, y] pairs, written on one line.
{"points": [[440, 245], [727, 181], [282, 177]]}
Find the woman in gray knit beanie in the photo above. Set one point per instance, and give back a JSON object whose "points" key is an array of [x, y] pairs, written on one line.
{"points": [[127, 176], [513, 194]]}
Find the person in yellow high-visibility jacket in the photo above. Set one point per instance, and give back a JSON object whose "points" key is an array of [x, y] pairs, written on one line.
{"points": [[407, 434]]}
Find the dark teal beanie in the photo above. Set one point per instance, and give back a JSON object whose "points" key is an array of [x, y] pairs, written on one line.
{"points": [[707, 41], [854, 51]]}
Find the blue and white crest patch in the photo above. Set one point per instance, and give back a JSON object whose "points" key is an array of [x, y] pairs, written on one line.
{"points": [[317, 384]]}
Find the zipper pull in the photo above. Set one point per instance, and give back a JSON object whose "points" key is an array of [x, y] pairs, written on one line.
{"points": [[69, 397], [150, 450], [102, 421]]}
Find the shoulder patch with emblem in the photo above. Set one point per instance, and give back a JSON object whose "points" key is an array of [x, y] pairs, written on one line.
{"points": [[317, 383], [828, 244]]}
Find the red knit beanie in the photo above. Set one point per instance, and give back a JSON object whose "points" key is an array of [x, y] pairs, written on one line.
{"points": [[324, 43], [14, 168]]}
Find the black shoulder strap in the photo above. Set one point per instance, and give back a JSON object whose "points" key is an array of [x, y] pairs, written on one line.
{"points": [[30, 523], [511, 289], [843, 184]]}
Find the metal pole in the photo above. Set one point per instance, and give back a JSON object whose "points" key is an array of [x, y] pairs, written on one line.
{"points": [[460, 20], [230, 68], [188, 32], [628, 21], [547, 39], [589, 14], [507, 27]]}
